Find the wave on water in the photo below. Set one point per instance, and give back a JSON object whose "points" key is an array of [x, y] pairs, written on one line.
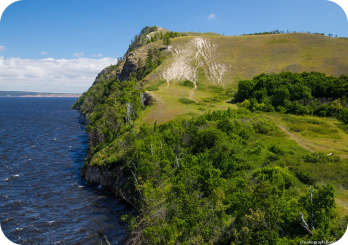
{"points": [[43, 197]]}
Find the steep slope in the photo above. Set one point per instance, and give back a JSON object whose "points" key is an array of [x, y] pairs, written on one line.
{"points": [[205, 177]]}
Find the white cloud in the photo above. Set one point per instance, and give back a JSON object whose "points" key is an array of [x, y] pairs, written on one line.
{"points": [[50, 75], [97, 55], [3, 48], [45, 53], [211, 17], [78, 55]]}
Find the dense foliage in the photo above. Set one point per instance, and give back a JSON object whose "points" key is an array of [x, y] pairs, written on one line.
{"points": [[112, 108], [304, 93], [211, 180]]}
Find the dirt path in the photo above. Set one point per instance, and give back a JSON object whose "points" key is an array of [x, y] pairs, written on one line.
{"points": [[342, 204], [192, 95], [301, 143], [294, 137]]}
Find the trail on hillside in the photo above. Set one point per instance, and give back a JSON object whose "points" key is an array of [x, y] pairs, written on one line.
{"points": [[301, 143], [342, 204], [192, 95], [188, 58], [294, 137]]}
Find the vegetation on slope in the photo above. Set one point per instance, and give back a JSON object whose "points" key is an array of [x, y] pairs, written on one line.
{"points": [[301, 94], [224, 177], [280, 32], [151, 34], [244, 57]]}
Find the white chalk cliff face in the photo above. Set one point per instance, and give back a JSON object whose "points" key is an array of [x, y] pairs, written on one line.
{"points": [[189, 57]]}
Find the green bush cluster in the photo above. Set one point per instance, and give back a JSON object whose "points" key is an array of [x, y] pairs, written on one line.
{"points": [[304, 93]]}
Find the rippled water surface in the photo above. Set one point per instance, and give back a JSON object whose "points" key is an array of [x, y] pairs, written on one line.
{"points": [[43, 199]]}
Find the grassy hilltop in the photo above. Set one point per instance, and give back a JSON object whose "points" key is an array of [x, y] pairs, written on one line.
{"points": [[208, 151], [245, 57]]}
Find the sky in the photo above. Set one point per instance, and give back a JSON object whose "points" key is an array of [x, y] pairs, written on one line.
{"points": [[61, 45]]}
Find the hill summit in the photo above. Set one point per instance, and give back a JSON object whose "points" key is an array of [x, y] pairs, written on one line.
{"points": [[223, 139]]}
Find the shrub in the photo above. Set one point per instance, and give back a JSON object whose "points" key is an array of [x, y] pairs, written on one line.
{"points": [[187, 83], [343, 116], [153, 88], [186, 101], [281, 109], [277, 176], [276, 149]]}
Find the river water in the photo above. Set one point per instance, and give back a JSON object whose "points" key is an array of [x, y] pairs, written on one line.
{"points": [[43, 199]]}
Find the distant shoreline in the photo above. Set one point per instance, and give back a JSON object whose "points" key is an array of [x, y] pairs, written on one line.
{"points": [[50, 95], [34, 94], [43, 96]]}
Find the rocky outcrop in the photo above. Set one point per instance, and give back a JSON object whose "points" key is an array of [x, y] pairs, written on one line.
{"points": [[129, 66], [107, 73], [84, 119], [111, 180]]}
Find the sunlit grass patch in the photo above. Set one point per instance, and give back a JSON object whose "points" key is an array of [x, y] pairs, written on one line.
{"points": [[319, 134], [186, 101]]}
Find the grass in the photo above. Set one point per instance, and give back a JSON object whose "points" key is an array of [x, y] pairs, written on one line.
{"points": [[318, 134], [201, 34], [173, 102], [246, 57]]}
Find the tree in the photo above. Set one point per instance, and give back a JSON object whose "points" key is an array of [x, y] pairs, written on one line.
{"points": [[245, 89], [150, 54], [166, 40], [343, 116], [140, 63]]}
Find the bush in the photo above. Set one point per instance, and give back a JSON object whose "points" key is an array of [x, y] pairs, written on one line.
{"points": [[281, 109], [277, 176], [276, 149], [343, 116], [186, 101], [153, 88], [316, 157], [263, 127]]}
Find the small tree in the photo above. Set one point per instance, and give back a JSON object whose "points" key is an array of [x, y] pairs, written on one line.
{"points": [[166, 41]]}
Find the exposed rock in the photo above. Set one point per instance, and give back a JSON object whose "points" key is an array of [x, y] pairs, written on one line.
{"points": [[108, 72], [84, 119], [129, 66], [111, 180]]}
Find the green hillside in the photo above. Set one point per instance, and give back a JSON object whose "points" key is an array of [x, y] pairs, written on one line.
{"points": [[218, 140], [247, 56]]}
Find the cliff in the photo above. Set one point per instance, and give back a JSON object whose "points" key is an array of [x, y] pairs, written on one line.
{"points": [[196, 73], [166, 135]]}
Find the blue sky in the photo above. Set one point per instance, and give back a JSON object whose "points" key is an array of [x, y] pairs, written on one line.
{"points": [[92, 30]]}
